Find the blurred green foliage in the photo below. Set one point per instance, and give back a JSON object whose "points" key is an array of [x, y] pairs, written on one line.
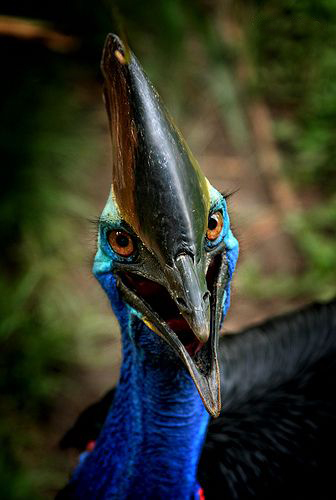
{"points": [[314, 234], [293, 49], [293, 53], [43, 157]]}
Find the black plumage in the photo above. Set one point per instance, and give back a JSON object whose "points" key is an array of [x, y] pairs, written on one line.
{"points": [[276, 435]]}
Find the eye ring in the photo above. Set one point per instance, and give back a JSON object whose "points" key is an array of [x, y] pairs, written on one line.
{"points": [[215, 226], [121, 243]]}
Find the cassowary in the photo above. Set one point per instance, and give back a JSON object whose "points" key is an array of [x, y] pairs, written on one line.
{"points": [[165, 258]]}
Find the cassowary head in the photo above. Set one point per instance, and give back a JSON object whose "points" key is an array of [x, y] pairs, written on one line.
{"points": [[166, 252]]}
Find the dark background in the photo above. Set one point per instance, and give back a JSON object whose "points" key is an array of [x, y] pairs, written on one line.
{"points": [[252, 86]]}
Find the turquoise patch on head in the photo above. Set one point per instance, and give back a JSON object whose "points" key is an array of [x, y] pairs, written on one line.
{"points": [[103, 261]]}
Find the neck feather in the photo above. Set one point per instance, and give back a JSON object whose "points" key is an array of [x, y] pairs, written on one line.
{"points": [[152, 439]]}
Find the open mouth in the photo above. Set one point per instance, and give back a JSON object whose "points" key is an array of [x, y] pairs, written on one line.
{"points": [[155, 302], [159, 300]]}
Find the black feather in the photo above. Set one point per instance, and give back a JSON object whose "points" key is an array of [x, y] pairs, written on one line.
{"points": [[276, 436]]}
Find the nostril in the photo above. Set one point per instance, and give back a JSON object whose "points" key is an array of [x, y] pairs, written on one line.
{"points": [[181, 302], [185, 254], [206, 296]]}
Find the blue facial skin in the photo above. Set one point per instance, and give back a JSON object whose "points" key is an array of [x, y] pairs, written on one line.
{"points": [[226, 236], [151, 441]]}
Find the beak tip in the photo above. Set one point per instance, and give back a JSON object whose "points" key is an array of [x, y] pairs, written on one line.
{"points": [[213, 407], [203, 332]]}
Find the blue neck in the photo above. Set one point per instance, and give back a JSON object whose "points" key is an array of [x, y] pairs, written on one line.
{"points": [[152, 439]]}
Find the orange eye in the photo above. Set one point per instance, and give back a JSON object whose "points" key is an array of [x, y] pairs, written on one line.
{"points": [[121, 243], [215, 225]]}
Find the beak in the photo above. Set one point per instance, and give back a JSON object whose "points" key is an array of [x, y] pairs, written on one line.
{"points": [[162, 195], [192, 296], [186, 313]]}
